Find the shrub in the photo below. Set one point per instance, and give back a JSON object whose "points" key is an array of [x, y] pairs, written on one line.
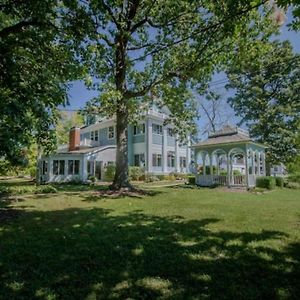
{"points": [[192, 180], [151, 178], [293, 185], [109, 172], [74, 179], [279, 181], [180, 176], [294, 178], [92, 178], [266, 182], [45, 189], [136, 173], [236, 173]]}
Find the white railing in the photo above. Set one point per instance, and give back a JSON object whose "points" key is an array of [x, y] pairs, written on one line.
{"points": [[89, 143], [157, 114]]}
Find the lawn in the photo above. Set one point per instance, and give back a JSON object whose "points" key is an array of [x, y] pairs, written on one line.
{"points": [[179, 243]]}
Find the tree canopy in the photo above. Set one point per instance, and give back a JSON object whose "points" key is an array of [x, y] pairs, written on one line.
{"points": [[36, 63], [267, 97]]}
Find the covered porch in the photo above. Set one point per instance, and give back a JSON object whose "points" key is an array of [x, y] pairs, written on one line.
{"points": [[229, 158]]}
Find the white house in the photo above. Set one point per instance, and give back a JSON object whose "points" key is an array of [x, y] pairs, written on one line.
{"points": [[151, 145]]}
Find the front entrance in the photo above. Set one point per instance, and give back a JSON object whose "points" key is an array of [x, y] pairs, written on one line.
{"points": [[98, 168]]}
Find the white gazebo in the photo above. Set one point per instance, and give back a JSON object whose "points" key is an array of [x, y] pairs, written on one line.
{"points": [[226, 147]]}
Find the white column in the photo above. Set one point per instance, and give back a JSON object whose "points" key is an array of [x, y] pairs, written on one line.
{"points": [[252, 163], [149, 145], [204, 164], [165, 151], [210, 164], [84, 169], [177, 158], [188, 154], [218, 162], [263, 164], [247, 169]]}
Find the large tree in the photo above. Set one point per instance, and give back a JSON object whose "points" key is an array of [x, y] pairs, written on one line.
{"points": [[267, 97], [153, 51], [36, 63]]}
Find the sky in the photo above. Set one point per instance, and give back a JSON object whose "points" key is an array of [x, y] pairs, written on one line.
{"points": [[79, 94]]}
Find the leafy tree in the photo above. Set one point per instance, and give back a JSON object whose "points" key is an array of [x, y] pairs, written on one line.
{"points": [[152, 51], [66, 121], [36, 62], [295, 4], [267, 97]]}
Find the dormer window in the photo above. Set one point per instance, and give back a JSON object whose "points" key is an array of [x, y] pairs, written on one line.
{"points": [[92, 135], [96, 135]]}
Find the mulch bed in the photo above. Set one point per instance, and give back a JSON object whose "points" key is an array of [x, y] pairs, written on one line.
{"points": [[136, 193]]}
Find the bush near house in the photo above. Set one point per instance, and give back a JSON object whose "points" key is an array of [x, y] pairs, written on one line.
{"points": [[294, 178], [192, 180], [45, 189], [266, 182], [109, 172], [136, 173], [279, 181]]}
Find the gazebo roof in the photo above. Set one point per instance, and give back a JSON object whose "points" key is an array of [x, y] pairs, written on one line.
{"points": [[227, 135]]}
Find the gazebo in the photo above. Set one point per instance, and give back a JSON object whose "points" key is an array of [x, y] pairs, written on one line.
{"points": [[218, 156]]}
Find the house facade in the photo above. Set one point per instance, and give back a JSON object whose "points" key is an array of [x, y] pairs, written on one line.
{"points": [[151, 145]]}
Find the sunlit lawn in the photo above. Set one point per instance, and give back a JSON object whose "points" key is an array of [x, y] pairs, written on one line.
{"points": [[180, 243]]}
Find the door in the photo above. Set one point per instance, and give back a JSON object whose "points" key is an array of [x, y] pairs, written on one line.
{"points": [[98, 168]]}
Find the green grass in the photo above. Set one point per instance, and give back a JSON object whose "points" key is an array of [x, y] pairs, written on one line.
{"points": [[180, 243]]}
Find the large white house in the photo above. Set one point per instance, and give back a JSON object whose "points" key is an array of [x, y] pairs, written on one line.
{"points": [[151, 145]]}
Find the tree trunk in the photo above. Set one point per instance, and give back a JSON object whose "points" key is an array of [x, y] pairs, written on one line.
{"points": [[121, 179]]}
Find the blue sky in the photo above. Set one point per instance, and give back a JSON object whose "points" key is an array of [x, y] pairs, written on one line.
{"points": [[79, 94]]}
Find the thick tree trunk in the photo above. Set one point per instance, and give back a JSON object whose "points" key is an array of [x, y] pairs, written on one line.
{"points": [[121, 179]]}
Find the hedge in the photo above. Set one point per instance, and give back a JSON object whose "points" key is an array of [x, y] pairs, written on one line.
{"points": [[266, 182]]}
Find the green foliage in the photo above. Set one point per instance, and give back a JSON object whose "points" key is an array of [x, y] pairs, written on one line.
{"points": [[151, 178], [4, 191], [36, 62], [136, 173], [279, 181], [266, 182], [237, 173], [267, 85], [45, 189], [293, 185], [294, 177], [92, 178], [192, 180], [109, 172]]}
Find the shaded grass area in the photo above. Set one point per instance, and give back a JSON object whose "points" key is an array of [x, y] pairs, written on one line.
{"points": [[177, 244]]}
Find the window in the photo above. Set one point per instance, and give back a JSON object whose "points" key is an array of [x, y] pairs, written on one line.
{"points": [[139, 129], [92, 135], [139, 160], [44, 167], [171, 132], [182, 162], [73, 167], [156, 160], [157, 129], [58, 167], [171, 159], [111, 132], [96, 135]]}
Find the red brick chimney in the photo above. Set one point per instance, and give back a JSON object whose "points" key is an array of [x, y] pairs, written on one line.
{"points": [[74, 138]]}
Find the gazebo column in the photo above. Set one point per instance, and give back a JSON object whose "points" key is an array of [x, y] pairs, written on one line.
{"points": [[228, 170], [252, 163], [204, 164], [211, 164], [247, 169], [218, 166]]}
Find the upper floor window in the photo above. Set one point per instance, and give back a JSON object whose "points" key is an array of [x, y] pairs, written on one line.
{"points": [[44, 167], [156, 160], [92, 135], [58, 167], [139, 129], [157, 129], [111, 132], [171, 159], [171, 132], [96, 135]]}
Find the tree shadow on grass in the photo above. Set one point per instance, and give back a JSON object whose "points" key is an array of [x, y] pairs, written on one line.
{"points": [[95, 254]]}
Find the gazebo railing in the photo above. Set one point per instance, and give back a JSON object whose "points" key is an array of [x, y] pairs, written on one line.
{"points": [[222, 180]]}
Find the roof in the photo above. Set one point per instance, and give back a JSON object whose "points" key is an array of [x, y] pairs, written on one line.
{"points": [[227, 135], [84, 150]]}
